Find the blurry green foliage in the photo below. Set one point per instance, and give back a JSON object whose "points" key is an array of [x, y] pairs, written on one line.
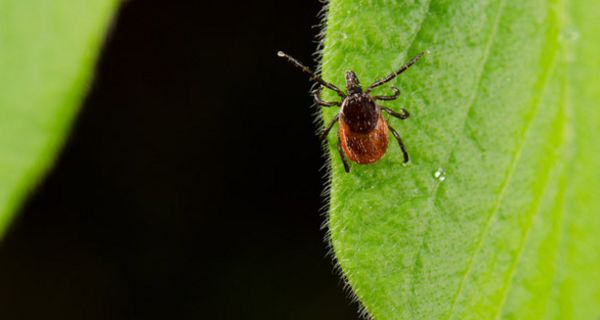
{"points": [[47, 52]]}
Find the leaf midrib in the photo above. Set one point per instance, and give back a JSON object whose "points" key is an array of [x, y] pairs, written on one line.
{"points": [[522, 245], [504, 188], [472, 99]]}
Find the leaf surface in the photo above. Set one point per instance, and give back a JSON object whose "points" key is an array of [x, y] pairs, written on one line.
{"points": [[496, 216]]}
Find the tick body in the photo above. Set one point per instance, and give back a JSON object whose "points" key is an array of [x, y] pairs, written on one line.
{"points": [[362, 128]]}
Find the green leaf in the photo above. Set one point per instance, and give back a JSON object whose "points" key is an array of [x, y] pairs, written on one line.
{"points": [[506, 109], [47, 52]]}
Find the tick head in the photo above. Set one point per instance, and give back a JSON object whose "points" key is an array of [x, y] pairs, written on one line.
{"points": [[352, 83]]}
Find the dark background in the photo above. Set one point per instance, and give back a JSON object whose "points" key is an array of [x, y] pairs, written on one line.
{"points": [[190, 185]]}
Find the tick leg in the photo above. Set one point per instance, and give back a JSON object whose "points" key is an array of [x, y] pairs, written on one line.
{"points": [[313, 76], [397, 136], [396, 73], [343, 156], [402, 115], [325, 131], [388, 98], [324, 103]]}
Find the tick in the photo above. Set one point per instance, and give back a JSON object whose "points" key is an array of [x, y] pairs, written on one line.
{"points": [[363, 131]]}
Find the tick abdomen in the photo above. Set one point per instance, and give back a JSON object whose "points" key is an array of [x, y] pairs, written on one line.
{"points": [[364, 148], [360, 113]]}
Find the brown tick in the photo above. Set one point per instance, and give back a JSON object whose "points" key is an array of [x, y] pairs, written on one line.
{"points": [[363, 131]]}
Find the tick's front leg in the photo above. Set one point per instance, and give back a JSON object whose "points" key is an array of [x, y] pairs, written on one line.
{"points": [[389, 98], [402, 115], [324, 103], [325, 131]]}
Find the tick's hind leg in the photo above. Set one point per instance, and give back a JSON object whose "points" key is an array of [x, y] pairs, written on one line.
{"points": [[326, 130], [397, 136], [343, 156]]}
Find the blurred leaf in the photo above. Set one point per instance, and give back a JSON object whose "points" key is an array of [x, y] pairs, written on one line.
{"points": [[47, 52], [506, 109]]}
